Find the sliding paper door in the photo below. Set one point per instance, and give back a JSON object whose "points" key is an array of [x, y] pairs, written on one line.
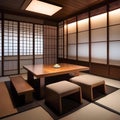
{"points": [[38, 42], [72, 40], [50, 44], [83, 38], [99, 38], [26, 45], [60, 41], [114, 30], [10, 48]]}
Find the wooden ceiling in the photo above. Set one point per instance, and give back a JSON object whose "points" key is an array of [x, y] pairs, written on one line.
{"points": [[70, 8]]}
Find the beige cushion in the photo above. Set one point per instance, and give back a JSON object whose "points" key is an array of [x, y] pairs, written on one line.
{"points": [[55, 92], [87, 79], [63, 87], [87, 84]]}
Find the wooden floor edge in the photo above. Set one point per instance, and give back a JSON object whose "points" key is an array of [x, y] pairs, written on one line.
{"points": [[6, 105]]}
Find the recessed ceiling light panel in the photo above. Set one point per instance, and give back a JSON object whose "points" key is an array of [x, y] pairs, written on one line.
{"points": [[43, 7]]}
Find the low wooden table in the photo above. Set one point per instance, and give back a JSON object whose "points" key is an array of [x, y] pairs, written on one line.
{"points": [[41, 71]]}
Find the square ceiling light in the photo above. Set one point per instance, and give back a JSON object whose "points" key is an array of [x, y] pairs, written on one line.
{"points": [[43, 7]]}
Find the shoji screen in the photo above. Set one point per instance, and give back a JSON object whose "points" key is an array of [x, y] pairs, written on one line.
{"points": [[0, 50], [50, 44], [38, 44], [83, 37], [72, 40], [26, 45], [60, 40], [99, 36], [114, 36], [10, 47]]}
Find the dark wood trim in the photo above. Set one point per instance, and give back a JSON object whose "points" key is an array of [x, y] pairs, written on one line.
{"points": [[70, 20], [43, 42], [82, 16], [57, 40], [25, 4], [63, 39], [51, 2], [89, 40], [18, 47], [114, 4], [62, 60], [44, 19], [98, 28], [107, 9], [67, 40], [100, 10], [76, 38], [86, 9], [33, 44], [2, 15]]}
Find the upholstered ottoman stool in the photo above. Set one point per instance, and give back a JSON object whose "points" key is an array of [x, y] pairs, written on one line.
{"points": [[89, 84], [55, 92]]}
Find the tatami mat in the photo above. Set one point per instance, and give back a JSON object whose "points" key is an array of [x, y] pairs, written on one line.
{"points": [[112, 82], [6, 105], [34, 114], [3, 79], [92, 112], [111, 101]]}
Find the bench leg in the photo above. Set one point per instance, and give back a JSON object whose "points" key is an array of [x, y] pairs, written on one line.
{"points": [[87, 91], [77, 96], [102, 88], [53, 100], [28, 97]]}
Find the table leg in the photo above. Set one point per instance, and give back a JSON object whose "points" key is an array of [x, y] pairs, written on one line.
{"points": [[42, 87], [38, 84], [30, 78], [39, 88]]}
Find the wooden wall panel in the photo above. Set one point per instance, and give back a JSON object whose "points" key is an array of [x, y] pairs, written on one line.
{"points": [[114, 72], [99, 69]]}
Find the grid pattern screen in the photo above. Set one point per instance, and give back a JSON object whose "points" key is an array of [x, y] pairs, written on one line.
{"points": [[26, 39], [50, 44], [10, 38], [25, 43], [10, 47], [38, 44]]}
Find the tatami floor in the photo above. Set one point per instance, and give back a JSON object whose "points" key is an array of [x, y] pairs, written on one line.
{"points": [[106, 108]]}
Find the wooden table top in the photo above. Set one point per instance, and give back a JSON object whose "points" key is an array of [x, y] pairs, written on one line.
{"points": [[42, 70]]}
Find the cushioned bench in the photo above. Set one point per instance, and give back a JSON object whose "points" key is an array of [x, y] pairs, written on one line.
{"points": [[55, 92], [89, 84], [22, 87]]}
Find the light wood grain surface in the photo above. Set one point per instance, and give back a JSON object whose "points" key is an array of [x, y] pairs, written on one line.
{"points": [[42, 70], [21, 85]]}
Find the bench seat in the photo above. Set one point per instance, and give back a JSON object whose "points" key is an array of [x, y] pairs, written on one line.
{"points": [[22, 87], [55, 92], [89, 84]]}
